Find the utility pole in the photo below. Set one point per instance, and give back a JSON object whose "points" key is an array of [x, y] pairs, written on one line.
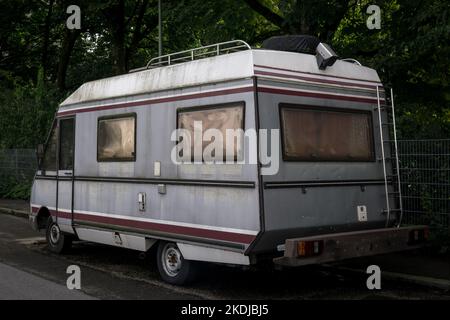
{"points": [[159, 29]]}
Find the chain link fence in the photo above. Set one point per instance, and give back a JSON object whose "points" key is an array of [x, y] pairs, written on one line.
{"points": [[425, 179], [18, 163], [17, 169]]}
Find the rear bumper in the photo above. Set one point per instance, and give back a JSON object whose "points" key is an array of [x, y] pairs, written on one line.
{"points": [[340, 246]]}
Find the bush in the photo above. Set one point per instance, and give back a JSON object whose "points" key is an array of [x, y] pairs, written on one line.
{"points": [[27, 111], [13, 188]]}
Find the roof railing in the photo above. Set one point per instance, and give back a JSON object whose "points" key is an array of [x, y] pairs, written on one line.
{"points": [[351, 60], [195, 54]]}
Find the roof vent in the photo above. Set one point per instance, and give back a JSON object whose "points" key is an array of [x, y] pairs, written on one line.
{"points": [[325, 56]]}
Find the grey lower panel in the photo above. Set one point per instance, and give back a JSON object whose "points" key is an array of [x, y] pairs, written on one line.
{"points": [[237, 247], [235, 208], [295, 211]]}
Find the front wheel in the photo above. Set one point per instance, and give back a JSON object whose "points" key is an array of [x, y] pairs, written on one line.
{"points": [[57, 241], [172, 267]]}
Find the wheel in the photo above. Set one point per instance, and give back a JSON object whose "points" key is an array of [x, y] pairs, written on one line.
{"points": [[57, 241], [172, 267]]}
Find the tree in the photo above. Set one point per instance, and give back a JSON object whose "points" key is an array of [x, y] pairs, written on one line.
{"points": [[320, 18], [409, 52], [46, 36], [68, 43], [129, 24]]}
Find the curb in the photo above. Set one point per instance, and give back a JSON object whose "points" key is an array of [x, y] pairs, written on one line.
{"points": [[13, 212], [438, 283]]}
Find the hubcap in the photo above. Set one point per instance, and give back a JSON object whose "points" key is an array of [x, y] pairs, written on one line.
{"points": [[172, 259], [55, 233]]}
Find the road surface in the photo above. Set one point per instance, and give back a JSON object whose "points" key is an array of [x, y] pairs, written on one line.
{"points": [[18, 285], [29, 271]]}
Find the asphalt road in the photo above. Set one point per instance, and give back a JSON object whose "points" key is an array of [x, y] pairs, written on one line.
{"points": [[18, 285], [29, 271]]}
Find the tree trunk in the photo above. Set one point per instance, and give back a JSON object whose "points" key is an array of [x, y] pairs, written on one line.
{"points": [[116, 17], [271, 16], [46, 36], [138, 33], [70, 38]]}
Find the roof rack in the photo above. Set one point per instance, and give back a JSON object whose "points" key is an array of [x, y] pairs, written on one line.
{"points": [[195, 54]]}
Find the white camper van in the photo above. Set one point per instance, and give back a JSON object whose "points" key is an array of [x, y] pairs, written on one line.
{"points": [[107, 172]]}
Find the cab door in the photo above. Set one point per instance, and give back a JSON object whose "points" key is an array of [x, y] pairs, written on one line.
{"points": [[65, 181]]}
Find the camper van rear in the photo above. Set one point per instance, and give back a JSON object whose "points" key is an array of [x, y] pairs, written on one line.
{"points": [[233, 158]]}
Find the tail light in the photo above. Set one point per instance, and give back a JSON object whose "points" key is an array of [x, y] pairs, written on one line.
{"points": [[309, 248], [418, 236]]}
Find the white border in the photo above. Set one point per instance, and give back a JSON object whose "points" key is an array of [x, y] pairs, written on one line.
{"points": [[61, 111]]}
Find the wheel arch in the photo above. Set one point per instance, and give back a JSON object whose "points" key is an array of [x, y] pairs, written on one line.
{"points": [[42, 217]]}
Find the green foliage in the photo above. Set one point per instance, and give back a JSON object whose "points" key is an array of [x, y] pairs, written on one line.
{"points": [[440, 239], [13, 188], [27, 112], [422, 120], [410, 53]]}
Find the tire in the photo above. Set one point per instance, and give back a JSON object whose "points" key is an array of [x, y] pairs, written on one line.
{"points": [[172, 267], [57, 241]]}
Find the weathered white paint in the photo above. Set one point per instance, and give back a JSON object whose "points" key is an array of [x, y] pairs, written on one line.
{"points": [[228, 67], [200, 253], [109, 238], [65, 225]]}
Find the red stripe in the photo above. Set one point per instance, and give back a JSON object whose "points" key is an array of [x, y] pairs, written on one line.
{"points": [[318, 74], [316, 95], [59, 214], [314, 80], [65, 215], [152, 226], [159, 100], [189, 231]]}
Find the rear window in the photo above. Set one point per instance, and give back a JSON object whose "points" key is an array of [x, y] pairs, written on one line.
{"points": [[321, 134]]}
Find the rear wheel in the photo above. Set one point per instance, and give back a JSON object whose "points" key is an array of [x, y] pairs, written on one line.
{"points": [[57, 241], [172, 267]]}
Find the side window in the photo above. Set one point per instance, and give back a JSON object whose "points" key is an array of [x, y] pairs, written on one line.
{"points": [[116, 138], [220, 117], [49, 159], [66, 146]]}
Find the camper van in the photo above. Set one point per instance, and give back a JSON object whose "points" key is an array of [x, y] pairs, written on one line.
{"points": [[331, 191]]}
